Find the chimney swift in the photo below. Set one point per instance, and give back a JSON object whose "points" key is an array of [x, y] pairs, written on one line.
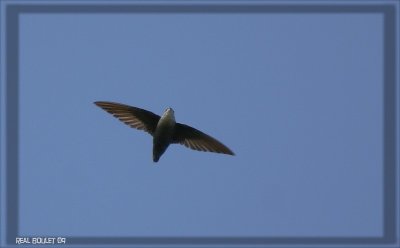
{"points": [[164, 129]]}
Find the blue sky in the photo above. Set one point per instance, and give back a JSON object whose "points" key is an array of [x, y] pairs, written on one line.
{"points": [[297, 97]]}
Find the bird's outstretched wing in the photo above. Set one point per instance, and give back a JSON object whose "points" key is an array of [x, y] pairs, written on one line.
{"points": [[197, 140], [135, 117]]}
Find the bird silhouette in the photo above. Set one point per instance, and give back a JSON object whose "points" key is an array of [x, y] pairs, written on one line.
{"points": [[165, 130]]}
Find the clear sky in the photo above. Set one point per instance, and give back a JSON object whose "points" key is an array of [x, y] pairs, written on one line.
{"points": [[297, 97]]}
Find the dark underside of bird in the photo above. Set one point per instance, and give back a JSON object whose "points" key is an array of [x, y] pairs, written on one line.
{"points": [[164, 129]]}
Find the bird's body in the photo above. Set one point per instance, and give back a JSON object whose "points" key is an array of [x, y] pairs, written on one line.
{"points": [[163, 135], [165, 130]]}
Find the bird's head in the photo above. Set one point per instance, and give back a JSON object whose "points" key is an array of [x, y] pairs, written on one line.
{"points": [[169, 110], [169, 113]]}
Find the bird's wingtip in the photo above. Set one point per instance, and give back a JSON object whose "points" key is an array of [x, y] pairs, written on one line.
{"points": [[100, 103]]}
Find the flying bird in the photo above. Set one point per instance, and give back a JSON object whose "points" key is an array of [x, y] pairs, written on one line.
{"points": [[165, 130]]}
